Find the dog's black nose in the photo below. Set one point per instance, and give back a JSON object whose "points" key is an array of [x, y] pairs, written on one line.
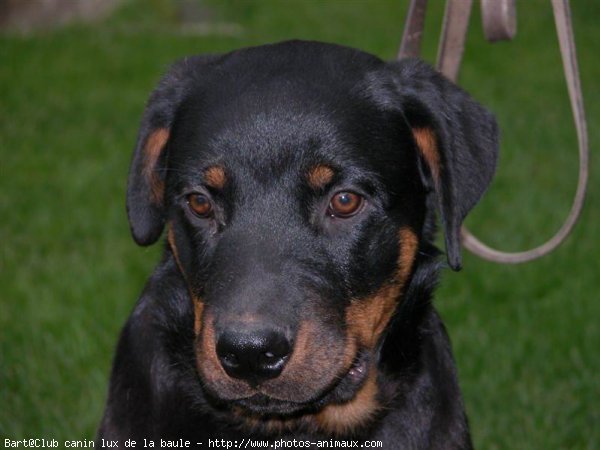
{"points": [[254, 356]]}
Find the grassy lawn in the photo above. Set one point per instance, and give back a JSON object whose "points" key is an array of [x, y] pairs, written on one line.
{"points": [[526, 338]]}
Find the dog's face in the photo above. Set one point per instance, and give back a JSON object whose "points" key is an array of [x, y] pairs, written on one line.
{"points": [[291, 242], [292, 180]]}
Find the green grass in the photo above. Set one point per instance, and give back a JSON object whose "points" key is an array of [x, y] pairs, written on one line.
{"points": [[526, 337]]}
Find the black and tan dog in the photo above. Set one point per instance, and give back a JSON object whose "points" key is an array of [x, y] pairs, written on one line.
{"points": [[298, 184]]}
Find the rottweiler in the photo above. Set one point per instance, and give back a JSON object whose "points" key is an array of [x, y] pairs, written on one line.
{"points": [[299, 184]]}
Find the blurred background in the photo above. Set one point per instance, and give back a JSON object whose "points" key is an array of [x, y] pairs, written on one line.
{"points": [[74, 77]]}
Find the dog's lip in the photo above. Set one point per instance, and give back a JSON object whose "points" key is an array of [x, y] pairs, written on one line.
{"points": [[350, 382], [263, 404], [266, 404], [359, 369]]}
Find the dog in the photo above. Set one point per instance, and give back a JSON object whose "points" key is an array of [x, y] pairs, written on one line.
{"points": [[299, 184]]}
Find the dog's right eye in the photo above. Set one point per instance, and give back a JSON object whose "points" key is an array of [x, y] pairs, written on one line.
{"points": [[345, 204], [199, 204]]}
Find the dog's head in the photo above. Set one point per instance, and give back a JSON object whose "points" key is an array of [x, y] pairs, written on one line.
{"points": [[293, 182]]}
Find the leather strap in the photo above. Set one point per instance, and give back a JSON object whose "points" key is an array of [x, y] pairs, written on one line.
{"points": [[410, 47], [497, 22], [454, 34], [499, 18], [562, 18]]}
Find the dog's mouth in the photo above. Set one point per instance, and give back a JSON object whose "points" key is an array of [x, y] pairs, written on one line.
{"points": [[342, 389], [264, 405]]}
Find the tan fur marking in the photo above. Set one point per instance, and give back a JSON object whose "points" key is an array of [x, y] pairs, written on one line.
{"points": [[154, 145], [307, 351], [198, 310], [207, 362], [171, 241], [346, 417], [408, 251], [319, 176], [198, 303], [215, 177], [205, 349], [427, 143], [367, 318]]}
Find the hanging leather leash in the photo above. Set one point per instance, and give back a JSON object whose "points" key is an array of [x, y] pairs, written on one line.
{"points": [[499, 23]]}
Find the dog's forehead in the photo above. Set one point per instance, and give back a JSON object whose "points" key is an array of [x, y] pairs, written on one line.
{"points": [[279, 134], [282, 107], [272, 128]]}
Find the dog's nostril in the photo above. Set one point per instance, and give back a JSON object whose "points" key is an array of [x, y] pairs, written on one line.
{"points": [[253, 355], [272, 358]]}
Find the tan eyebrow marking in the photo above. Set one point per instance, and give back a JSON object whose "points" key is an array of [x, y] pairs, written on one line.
{"points": [[319, 176], [215, 177]]}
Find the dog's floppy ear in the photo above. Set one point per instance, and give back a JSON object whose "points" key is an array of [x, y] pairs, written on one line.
{"points": [[145, 185], [457, 139]]}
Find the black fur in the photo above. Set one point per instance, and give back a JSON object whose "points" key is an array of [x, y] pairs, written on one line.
{"points": [[272, 250]]}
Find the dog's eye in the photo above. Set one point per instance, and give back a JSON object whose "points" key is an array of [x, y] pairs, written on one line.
{"points": [[199, 204], [345, 204]]}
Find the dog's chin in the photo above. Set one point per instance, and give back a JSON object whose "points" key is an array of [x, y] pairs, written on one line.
{"points": [[341, 390], [265, 406]]}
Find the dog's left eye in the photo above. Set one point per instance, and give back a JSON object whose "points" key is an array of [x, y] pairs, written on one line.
{"points": [[345, 204], [199, 204]]}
